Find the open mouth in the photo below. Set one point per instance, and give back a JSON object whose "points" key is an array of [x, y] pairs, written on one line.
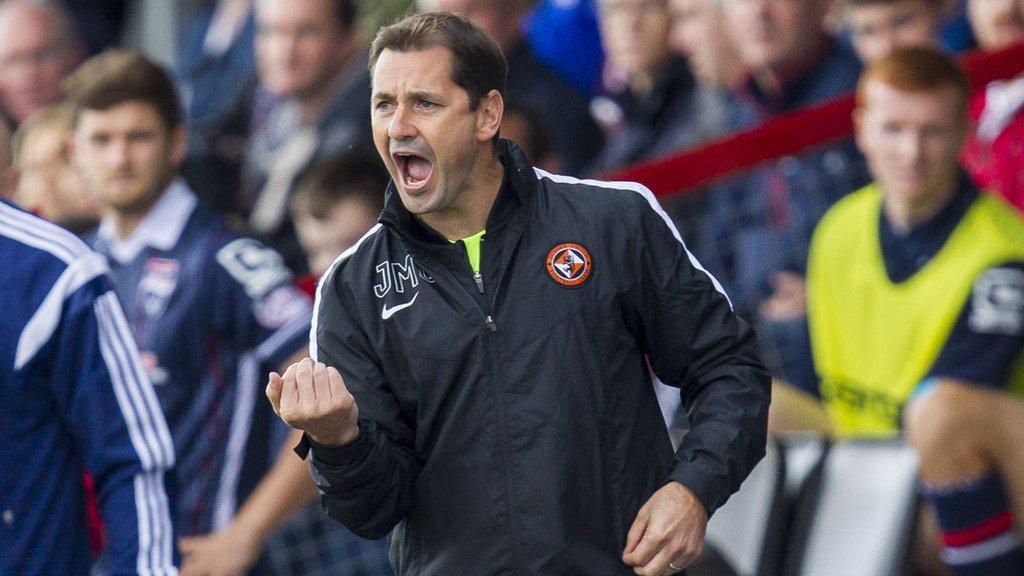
{"points": [[414, 170]]}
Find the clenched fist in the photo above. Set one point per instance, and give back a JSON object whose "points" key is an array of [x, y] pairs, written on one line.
{"points": [[313, 398]]}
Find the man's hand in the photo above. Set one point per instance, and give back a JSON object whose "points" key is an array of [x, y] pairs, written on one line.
{"points": [[313, 398], [668, 529], [228, 553]]}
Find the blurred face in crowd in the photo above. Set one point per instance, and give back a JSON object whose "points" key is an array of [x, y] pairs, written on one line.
{"points": [[912, 141], [430, 140], [880, 27], [49, 185], [774, 34], [127, 155], [500, 19], [300, 46], [996, 23], [36, 53], [698, 33], [635, 34], [323, 239]]}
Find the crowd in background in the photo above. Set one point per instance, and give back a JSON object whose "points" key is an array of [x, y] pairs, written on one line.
{"points": [[275, 101]]}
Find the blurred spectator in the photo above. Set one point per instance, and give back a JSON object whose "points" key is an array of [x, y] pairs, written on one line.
{"points": [[555, 24], [316, 67], [791, 59], [996, 23], [916, 308], [335, 204], [759, 225], [525, 126], [995, 152], [38, 48], [48, 184], [575, 136], [216, 72], [699, 33], [660, 107], [879, 26], [211, 311]]}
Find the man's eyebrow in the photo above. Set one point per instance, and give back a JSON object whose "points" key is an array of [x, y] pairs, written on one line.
{"points": [[382, 96], [424, 95]]}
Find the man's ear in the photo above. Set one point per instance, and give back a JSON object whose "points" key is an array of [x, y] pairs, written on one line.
{"points": [[488, 115]]}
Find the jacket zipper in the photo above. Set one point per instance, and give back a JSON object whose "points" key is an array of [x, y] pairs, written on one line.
{"points": [[492, 347]]}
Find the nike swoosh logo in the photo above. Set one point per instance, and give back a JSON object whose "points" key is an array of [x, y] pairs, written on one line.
{"points": [[389, 312]]}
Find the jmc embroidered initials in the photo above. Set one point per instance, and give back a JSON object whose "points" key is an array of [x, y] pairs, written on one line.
{"points": [[397, 276]]}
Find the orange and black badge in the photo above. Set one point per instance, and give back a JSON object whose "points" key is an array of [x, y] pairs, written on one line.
{"points": [[569, 264]]}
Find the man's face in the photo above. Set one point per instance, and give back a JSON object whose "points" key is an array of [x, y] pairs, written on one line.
{"points": [[882, 27], [424, 130], [697, 33], [34, 59], [300, 46], [127, 155], [323, 239], [48, 182], [996, 23], [774, 33], [635, 33], [912, 141]]}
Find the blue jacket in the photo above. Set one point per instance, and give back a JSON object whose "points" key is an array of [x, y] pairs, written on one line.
{"points": [[73, 395]]}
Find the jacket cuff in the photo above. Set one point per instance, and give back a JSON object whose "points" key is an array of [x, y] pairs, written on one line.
{"points": [[708, 494], [345, 454]]}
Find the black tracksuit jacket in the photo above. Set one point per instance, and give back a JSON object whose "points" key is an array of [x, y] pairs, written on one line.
{"points": [[508, 423]]}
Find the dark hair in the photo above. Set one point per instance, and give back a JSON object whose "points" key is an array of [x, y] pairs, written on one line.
{"points": [[478, 66], [118, 76], [337, 179]]}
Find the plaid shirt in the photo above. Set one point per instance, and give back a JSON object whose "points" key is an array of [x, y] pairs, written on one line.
{"points": [[314, 545]]}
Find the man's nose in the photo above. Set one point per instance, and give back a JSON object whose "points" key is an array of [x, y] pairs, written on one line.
{"points": [[401, 126]]}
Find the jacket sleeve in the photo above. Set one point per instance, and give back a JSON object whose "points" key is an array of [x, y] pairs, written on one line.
{"points": [[367, 485], [111, 410], [695, 341]]}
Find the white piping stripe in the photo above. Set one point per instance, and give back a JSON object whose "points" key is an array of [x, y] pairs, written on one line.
{"points": [[282, 336], [226, 500], [655, 205], [124, 399], [150, 411], [323, 281], [135, 386], [40, 328], [165, 516], [983, 550], [151, 502], [143, 561], [44, 231], [30, 236]]}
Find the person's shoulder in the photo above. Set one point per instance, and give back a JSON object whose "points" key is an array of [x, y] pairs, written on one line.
{"points": [[33, 237], [593, 194]]}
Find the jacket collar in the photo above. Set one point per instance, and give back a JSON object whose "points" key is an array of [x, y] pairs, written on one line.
{"points": [[160, 228], [517, 189]]}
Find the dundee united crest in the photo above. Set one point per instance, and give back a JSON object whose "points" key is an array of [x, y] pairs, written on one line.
{"points": [[569, 264]]}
